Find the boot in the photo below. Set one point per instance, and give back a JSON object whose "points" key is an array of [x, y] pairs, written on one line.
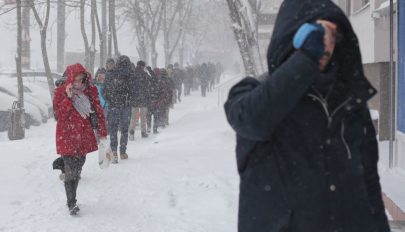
{"points": [[70, 188], [123, 155], [155, 131], [73, 210], [144, 135], [115, 158]]}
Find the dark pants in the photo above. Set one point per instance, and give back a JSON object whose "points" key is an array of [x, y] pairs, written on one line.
{"points": [[156, 119], [204, 89], [119, 117], [73, 167]]}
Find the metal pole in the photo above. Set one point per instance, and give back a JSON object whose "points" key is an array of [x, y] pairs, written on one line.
{"points": [[392, 89]]}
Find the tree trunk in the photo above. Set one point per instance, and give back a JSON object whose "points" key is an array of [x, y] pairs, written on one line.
{"points": [[103, 44], [18, 56], [48, 71], [181, 51], [166, 42], [142, 46], [243, 43], [43, 29], [84, 35], [110, 26], [154, 54], [92, 48], [61, 36], [181, 12], [114, 28], [26, 38]]}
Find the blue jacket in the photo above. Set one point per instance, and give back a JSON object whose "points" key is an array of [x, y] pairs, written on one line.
{"points": [[100, 89]]}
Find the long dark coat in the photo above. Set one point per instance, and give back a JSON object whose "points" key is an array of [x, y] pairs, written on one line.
{"points": [[307, 157]]}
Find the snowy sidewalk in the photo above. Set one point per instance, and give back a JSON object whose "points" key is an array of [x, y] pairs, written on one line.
{"points": [[183, 179]]}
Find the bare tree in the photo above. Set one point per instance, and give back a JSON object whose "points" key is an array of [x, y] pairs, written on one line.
{"points": [[61, 35], [196, 32], [43, 29], [250, 10], [137, 15], [26, 38], [242, 29], [171, 8], [183, 22], [200, 33], [146, 17], [103, 40], [112, 30], [90, 50], [18, 56]]}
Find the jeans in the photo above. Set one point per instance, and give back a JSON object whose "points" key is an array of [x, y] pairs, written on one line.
{"points": [[119, 117]]}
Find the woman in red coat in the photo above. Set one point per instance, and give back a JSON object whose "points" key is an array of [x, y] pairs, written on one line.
{"points": [[74, 103]]}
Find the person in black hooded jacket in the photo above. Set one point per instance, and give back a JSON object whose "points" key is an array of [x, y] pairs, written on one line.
{"points": [[306, 147], [118, 93]]}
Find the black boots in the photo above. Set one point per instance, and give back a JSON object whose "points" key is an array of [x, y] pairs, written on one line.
{"points": [[71, 188]]}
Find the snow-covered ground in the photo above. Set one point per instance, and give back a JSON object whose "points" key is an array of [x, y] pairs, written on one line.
{"points": [[183, 179]]}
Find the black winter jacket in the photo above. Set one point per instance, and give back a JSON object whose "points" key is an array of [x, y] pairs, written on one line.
{"points": [[140, 88], [117, 91], [307, 160]]}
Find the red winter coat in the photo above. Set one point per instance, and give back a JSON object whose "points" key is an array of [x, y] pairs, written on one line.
{"points": [[74, 134]]}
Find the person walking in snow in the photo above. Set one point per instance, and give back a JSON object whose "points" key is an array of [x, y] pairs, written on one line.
{"points": [[166, 99], [154, 94], [178, 77], [117, 92], [140, 86], [76, 103], [306, 147]]}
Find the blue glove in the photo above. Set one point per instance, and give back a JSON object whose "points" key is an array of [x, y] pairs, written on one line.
{"points": [[310, 38]]}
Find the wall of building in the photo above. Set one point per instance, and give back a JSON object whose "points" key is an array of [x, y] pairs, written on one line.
{"points": [[363, 25]]}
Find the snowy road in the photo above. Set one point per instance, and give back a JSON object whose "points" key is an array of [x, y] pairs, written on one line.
{"points": [[183, 179]]}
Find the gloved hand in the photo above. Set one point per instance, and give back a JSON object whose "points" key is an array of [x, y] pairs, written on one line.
{"points": [[310, 39]]}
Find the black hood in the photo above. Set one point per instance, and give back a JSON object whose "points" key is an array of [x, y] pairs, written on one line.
{"points": [[123, 66], [292, 14]]}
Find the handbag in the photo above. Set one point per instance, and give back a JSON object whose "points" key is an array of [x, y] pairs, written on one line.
{"points": [[93, 119]]}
